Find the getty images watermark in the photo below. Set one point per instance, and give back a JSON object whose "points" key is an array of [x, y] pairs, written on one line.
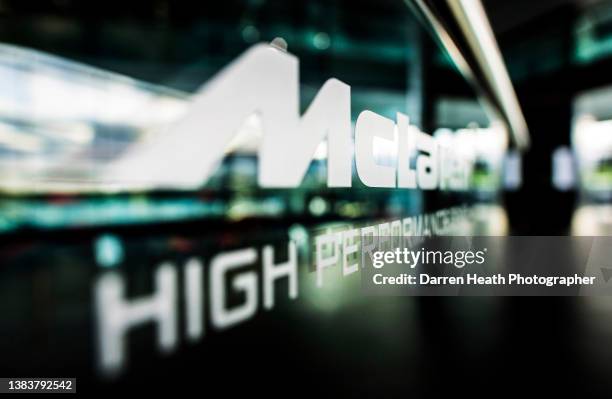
{"points": [[488, 266]]}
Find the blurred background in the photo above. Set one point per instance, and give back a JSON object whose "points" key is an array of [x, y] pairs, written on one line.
{"points": [[524, 88]]}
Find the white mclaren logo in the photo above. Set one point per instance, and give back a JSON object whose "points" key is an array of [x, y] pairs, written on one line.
{"points": [[264, 81]]}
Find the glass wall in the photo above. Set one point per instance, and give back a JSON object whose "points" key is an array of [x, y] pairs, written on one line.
{"points": [[112, 278]]}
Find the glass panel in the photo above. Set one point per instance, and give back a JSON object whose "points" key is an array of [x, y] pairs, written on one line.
{"points": [[87, 89]]}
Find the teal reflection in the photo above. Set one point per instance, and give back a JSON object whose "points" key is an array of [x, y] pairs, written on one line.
{"points": [[108, 250]]}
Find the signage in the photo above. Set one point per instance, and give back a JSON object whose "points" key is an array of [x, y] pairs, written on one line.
{"points": [[264, 81]]}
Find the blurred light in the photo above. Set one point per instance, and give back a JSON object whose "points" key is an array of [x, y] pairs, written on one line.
{"points": [[350, 210], [592, 220], [12, 139], [592, 138], [489, 220], [250, 34], [473, 20], [321, 41], [298, 234], [61, 122], [563, 177], [245, 207], [75, 132], [487, 148], [513, 171], [592, 146], [108, 250], [317, 206]]}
